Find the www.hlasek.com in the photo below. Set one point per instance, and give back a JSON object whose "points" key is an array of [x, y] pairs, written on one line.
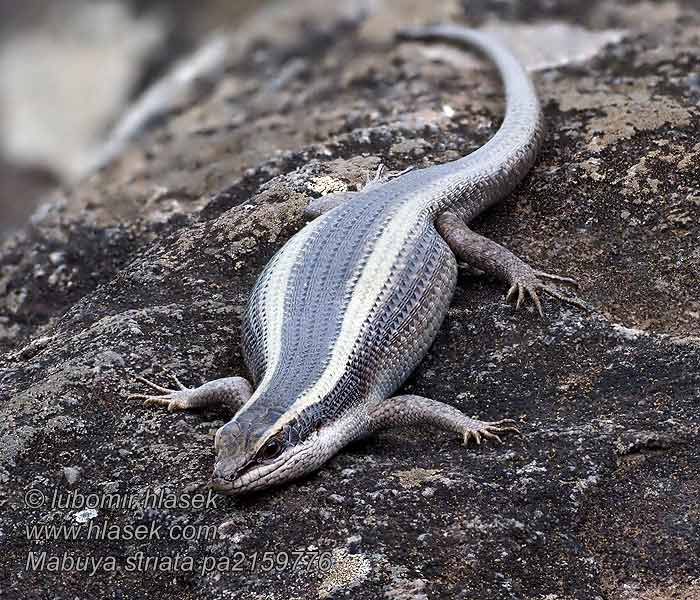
{"points": [[86, 526]]}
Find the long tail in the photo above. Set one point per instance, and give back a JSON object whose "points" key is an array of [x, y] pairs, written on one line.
{"points": [[490, 173]]}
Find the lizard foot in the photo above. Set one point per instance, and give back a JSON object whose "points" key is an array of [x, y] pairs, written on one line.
{"points": [[531, 281], [381, 176], [472, 248], [324, 204], [488, 430], [179, 399]]}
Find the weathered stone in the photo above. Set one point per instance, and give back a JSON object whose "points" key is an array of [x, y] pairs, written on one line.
{"points": [[598, 498]]}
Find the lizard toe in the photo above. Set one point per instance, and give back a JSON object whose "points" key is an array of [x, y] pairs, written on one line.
{"points": [[560, 278], [530, 284], [488, 430]]}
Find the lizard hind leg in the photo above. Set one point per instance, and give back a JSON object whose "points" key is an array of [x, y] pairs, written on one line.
{"points": [[232, 390], [413, 410], [493, 258]]}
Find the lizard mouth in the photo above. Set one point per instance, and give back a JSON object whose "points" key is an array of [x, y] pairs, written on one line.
{"points": [[221, 485], [244, 479], [236, 486]]}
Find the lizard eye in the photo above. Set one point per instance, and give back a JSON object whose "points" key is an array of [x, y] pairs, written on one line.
{"points": [[271, 450]]}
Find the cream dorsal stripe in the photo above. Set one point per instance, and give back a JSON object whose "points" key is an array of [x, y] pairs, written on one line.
{"points": [[273, 303], [365, 294]]}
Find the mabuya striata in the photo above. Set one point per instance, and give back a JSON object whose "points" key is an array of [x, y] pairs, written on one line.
{"points": [[350, 305]]}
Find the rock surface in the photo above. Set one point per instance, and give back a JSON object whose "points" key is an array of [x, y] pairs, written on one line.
{"points": [[146, 266]]}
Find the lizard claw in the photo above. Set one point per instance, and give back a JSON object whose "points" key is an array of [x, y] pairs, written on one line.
{"points": [[381, 176], [488, 430], [532, 282], [560, 278], [172, 399], [522, 290], [377, 178]]}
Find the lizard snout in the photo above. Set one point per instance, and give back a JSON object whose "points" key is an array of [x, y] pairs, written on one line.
{"points": [[222, 479]]}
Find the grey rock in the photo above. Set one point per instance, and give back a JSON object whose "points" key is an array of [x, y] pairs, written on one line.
{"points": [[597, 498]]}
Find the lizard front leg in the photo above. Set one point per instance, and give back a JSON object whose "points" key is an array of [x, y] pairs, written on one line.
{"points": [[401, 411], [489, 256], [231, 390], [318, 206]]}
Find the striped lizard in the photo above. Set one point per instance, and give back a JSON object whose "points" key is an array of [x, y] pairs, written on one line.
{"points": [[350, 305]]}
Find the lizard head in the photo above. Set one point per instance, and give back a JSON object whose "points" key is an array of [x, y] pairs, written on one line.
{"points": [[253, 456]]}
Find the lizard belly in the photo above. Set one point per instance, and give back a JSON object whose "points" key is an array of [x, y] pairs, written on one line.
{"points": [[347, 309]]}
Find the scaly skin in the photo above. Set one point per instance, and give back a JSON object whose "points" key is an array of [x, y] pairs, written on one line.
{"points": [[351, 304]]}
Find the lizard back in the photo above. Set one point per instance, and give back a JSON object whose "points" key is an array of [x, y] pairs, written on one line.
{"points": [[346, 309]]}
